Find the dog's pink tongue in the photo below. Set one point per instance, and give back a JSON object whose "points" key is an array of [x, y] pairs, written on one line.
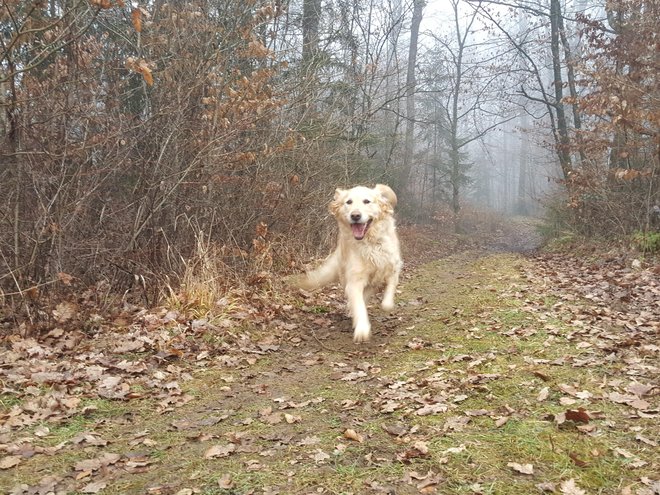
{"points": [[359, 229]]}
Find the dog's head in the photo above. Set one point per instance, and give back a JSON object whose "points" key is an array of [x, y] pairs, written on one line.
{"points": [[360, 206]]}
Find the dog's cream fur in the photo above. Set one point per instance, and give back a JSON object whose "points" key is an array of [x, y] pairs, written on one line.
{"points": [[364, 260]]}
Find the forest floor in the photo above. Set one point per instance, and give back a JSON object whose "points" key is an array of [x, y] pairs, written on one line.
{"points": [[502, 371]]}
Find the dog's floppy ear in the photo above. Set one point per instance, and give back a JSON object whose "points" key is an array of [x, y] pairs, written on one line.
{"points": [[387, 193], [337, 201]]}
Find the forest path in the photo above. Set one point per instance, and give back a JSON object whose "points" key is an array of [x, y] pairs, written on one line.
{"points": [[483, 380]]}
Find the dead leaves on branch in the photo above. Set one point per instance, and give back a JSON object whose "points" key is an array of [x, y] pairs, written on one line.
{"points": [[141, 66]]}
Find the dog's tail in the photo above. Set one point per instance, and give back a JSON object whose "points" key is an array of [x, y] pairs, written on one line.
{"points": [[325, 274]]}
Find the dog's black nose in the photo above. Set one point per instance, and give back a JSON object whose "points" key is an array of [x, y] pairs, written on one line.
{"points": [[356, 217]]}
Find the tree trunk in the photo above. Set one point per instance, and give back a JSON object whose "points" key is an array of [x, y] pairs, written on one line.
{"points": [[570, 74], [404, 178], [311, 20], [523, 169], [310, 30], [563, 143]]}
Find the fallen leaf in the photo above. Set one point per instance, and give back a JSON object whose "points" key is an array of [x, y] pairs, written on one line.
{"points": [[313, 440], [456, 423], [320, 456], [578, 462], [349, 377], [94, 487], [219, 451], [396, 429], [639, 389], [10, 461], [431, 409], [225, 482], [624, 453], [428, 485], [422, 447], [456, 450], [93, 464], [499, 422], [290, 418], [645, 440], [64, 312], [579, 416], [353, 435], [569, 487], [521, 468], [543, 394]]}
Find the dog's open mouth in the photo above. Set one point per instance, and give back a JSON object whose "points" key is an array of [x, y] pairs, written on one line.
{"points": [[360, 229]]}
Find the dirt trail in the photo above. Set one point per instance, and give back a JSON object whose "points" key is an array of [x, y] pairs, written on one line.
{"points": [[458, 392]]}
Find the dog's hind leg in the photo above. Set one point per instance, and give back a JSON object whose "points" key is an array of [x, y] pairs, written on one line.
{"points": [[325, 274], [358, 310]]}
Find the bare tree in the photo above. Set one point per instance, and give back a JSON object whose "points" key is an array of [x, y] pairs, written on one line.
{"points": [[468, 115], [418, 8], [533, 88]]}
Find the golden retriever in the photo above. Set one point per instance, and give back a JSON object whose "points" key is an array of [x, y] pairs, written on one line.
{"points": [[367, 256]]}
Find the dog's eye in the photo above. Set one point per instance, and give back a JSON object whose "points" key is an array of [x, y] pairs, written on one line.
{"points": [[366, 201], [349, 202]]}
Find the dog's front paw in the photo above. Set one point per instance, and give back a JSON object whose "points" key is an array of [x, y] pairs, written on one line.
{"points": [[387, 305], [362, 333]]}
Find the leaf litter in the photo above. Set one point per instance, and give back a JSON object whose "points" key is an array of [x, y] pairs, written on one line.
{"points": [[412, 402]]}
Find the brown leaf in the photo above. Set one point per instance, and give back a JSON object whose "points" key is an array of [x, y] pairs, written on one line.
{"points": [[578, 462], [396, 429], [309, 441], [620, 398], [645, 440], [640, 404], [136, 19], [639, 389], [144, 69], [225, 482], [219, 451], [456, 423], [521, 468], [579, 416], [349, 377], [353, 435], [431, 409], [499, 422], [290, 418], [93, 464], [430, 483], [88, 438], [94, 487], [541, 375], [477, 412], [64, 312], [10, 461], [421, 447], [543, 394], [65, 278]]}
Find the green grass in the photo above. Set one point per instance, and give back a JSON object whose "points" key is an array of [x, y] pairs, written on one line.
{"points": [[478, 330]]}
